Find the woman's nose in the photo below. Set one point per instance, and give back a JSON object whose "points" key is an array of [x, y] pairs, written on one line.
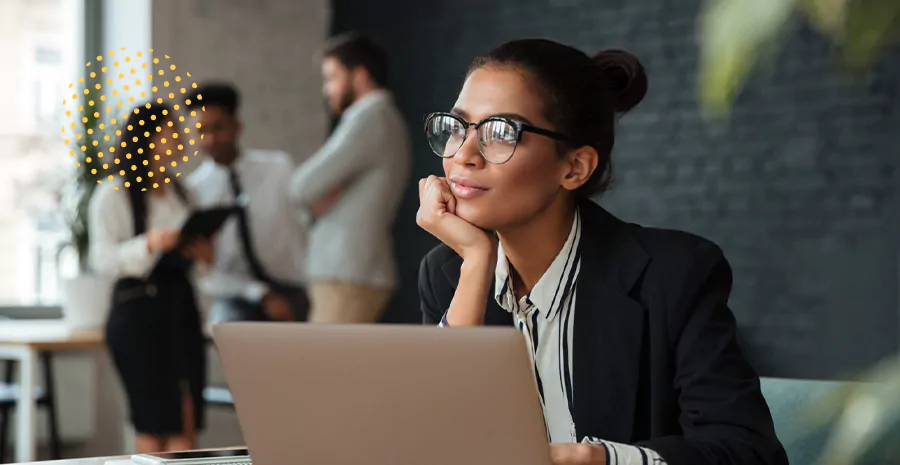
{"points": [[469, 154]]}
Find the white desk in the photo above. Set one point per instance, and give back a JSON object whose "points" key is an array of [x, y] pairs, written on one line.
{"points": [[22, 341], [103, 460]]}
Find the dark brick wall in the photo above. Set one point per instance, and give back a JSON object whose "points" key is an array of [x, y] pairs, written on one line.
{"points": [[798, 188]]}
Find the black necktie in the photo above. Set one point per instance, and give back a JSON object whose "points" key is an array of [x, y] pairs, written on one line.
{"points": [[244, 226]]}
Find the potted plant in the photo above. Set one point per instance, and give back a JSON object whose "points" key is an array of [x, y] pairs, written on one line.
{"points": [[85, 294], [861, 420]]}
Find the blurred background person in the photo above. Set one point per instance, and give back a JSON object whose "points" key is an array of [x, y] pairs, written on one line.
{"points": [[259, 254], [348, 192], [154, 330]]}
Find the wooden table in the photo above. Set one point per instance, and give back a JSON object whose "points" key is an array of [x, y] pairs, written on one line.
{"points": [[23, 341]]}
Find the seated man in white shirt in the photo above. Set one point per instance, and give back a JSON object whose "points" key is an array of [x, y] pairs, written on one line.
{"points": [[260, 252]]}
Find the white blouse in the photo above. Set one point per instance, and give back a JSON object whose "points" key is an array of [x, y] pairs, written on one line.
{"points": [[114, 250], [546, 318]]}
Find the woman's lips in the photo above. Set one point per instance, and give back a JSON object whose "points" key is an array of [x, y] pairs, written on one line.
{"points": [[465, 191]]}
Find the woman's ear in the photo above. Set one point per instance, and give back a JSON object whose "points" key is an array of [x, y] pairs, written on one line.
{"points": [[580, 165]]}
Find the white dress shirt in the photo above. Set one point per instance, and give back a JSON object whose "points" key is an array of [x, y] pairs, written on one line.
{"points": [[546, 317], [114, 250], [369, 156], [277, 237]]}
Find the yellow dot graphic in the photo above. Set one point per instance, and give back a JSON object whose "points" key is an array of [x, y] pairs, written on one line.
{"points": [[109, 87]]}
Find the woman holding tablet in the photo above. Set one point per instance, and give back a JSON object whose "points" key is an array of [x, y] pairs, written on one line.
{"points": [[628, 327], [154, 328]]}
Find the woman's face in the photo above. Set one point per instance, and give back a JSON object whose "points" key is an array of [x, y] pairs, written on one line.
{"points": [[500, 196], [164, 149]]}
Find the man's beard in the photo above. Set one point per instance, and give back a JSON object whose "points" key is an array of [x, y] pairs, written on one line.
{"points": [[344, 103]]}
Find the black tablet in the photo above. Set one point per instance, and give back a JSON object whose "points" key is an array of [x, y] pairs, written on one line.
{"points": [[205, 223]]}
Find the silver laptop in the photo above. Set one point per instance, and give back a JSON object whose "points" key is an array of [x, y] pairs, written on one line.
{"points": [[383, 394]]}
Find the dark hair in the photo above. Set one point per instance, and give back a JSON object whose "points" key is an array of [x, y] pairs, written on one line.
{"points": [[137, 152], [582, 95], [220, 94], [353, 50]]}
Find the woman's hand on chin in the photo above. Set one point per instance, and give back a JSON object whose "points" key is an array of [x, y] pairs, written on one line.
{"points": [[437, 215]]}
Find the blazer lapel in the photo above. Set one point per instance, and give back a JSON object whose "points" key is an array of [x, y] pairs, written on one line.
{"points": [[609, 327]]}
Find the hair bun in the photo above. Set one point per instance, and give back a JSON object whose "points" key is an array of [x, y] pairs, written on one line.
{"points": [[625, 75]]}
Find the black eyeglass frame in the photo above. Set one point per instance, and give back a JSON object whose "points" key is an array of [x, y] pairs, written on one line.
{"points": [[519, 126]]}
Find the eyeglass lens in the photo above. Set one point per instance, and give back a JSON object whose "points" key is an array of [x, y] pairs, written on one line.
{"points": [[496, 138]]}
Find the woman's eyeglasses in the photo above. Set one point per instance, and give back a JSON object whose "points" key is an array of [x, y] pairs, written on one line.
{"points": [[497, 136]]}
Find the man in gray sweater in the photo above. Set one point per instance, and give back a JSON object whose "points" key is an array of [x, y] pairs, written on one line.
{"points": [[348, 192]]}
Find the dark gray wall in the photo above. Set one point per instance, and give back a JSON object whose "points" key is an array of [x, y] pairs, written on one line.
{"points": [[798, 188]]}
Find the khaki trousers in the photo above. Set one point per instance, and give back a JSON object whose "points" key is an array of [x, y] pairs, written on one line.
{"points": [[337, 302]]}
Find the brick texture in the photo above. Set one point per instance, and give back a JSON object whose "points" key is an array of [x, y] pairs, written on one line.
{"points": [[267, 48], [798, 187]]}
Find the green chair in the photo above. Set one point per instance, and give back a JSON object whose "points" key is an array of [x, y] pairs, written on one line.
{"points": [[790, 401]]}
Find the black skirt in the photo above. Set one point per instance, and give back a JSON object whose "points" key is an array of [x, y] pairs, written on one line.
{"points": [[155, 336]]}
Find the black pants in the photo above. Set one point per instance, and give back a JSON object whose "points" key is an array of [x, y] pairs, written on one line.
{"points": [[155, 336]]}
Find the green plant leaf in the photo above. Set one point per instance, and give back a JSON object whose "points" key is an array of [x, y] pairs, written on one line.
{"points": [[734, 36], [869, 420], [76, 199], [871, 26], [826, 16]]}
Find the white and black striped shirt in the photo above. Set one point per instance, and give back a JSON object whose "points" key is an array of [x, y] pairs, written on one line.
{"points": [[546, 317]]}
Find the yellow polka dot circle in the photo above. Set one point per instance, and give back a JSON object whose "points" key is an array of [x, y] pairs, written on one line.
{"points": [[111, 79]]}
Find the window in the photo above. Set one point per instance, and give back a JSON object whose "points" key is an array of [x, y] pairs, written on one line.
{"points": [[41, 52]]}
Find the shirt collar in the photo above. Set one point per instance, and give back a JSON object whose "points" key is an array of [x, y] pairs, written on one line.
{"points": [[556, 283]]}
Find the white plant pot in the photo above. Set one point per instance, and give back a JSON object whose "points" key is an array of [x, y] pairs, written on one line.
{"points": [[85, 300]]}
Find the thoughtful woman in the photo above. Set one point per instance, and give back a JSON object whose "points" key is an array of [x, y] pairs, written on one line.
{"points": [[628, 327], [154, 329]]}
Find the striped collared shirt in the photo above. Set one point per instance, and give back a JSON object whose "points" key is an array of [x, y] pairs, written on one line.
{"points": [[546, 317]]}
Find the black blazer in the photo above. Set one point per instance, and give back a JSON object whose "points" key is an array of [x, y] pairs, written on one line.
{"points": [[656, 362]]}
